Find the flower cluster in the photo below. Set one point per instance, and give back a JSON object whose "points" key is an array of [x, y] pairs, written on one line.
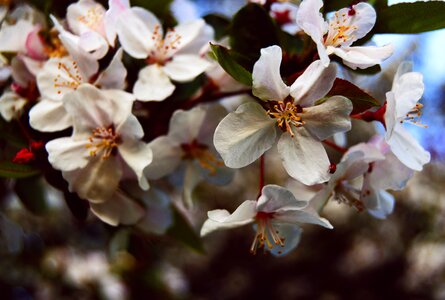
{"points": [[127, 107]]}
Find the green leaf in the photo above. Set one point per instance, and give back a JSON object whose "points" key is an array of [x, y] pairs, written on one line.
{"points": [[182, 231], [361, 100], [291, 44], [226, 58], [219, 23], [252, 29], [411, 17], [32, 194], [9, 169]]}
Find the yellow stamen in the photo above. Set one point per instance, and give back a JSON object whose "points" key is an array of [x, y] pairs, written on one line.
{"points": [[201, 153], [103, 140], [74, 78], [266, 234], [287, 114]]}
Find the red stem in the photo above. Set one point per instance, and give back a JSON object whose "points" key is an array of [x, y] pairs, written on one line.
{"points": [[335, 146]]}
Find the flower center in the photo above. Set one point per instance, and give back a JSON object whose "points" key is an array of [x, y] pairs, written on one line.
{"points": [[71, 78], [92, 18], [103, 140], [340, 30], [164, 48], [266, 234], [287, 114], [55, 47], [414, 115], [201, 153]]}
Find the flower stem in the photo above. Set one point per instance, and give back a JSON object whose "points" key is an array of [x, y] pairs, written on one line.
{"points": [[261, 181], [335, 146]]}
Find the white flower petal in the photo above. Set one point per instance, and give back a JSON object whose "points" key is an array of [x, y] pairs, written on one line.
{"points": [[153, 84], [328, 118], [13, 37], [97, 181], [386, 206], [166, 157], [67, 154], [159, 215], [291, 234], [390, 115], [116, 8], [301, 216], [137, 155], [113, 77], [222, 219], [407, 89], [119, 209], [363, 57], [85, 16], [390, 173], [185, 125], [59, 77], [274, 198], [134, 34], [267, 81], [304, 158], [408, 150], [49, 116], [214, 114], [93, 43], [192, 177], [185, 67], [200, 42], [244, 135], [11, 105], [189, 33], [316, 81]]}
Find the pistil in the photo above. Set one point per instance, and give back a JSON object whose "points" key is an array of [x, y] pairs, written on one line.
{"points": [[103, 140]]}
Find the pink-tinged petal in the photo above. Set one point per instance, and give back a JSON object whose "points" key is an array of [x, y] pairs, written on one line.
{"points": [[291, 234], [363, 57], [185, 67], [116, 8], [33, 66], [408, 150], [275, 198], [113, 77], [119, 209], [244, 135], [58, 77], [328, 118], [67, 154], [316, 81], [97, 181], [134, 34], [85, 16], [94, 44], [35, 47], [304, 158], [159, 215], [185, 125], [407, 89], [153, 84], [389, 173], [167, 156], [137, 155], [49, 116], [13, 37], [267, 81], [222, 219]]}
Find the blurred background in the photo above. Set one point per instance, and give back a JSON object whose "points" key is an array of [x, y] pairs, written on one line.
{"points": [[54, 256]]}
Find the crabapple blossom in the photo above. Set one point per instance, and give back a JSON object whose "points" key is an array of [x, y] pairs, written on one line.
{"points": [[106, 141], [244, 135], [174, 56], [401, 107], [344, 28], [189, 144], [276, 214]]}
